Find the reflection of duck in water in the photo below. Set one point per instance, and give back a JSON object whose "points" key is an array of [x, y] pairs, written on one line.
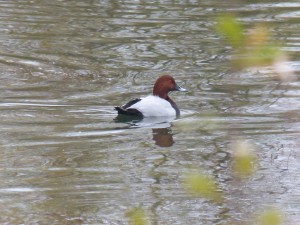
{"points": [[159, 104], [161, 127], [163, 137]]}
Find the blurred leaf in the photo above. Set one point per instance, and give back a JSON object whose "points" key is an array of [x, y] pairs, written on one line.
{"points": [[195, 124], [258, 36], [228, 26], [244, 159], [137, 216], [270, 217], [283, 69], [253, 48], [202, 185], [256, 56]]}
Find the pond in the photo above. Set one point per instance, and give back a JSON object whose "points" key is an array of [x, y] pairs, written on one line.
{"points": [[65, 159]]}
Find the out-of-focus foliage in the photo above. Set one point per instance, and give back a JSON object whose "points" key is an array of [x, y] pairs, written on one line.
{"points": [[197, 124], [137, 216], [231, 29], [258, 48], [201, 185], [244, 159], [254, 48], [270, 216]]}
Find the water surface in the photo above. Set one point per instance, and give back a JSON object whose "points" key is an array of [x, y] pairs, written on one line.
{"points": [[64, 159]]}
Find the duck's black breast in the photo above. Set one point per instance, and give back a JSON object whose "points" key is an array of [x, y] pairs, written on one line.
{"points": [[175, 107]]}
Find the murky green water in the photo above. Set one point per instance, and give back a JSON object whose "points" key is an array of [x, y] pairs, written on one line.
{"points": [[66, 64]]}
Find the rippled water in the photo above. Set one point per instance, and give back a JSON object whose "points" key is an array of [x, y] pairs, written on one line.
{"points": [[64, 159]]}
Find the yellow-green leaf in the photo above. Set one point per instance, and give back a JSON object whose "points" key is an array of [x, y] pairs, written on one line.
{"points": [[228, 26], [244, 159], [270, 217], [202, 185], [137, 216]]}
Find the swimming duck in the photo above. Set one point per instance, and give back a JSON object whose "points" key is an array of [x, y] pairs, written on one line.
{"points": [[159, 104]]}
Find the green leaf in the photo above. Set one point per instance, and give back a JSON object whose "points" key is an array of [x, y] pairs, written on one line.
{"points": [[228, 27]]}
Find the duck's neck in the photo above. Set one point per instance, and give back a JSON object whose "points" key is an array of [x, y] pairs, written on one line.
{"points": [[160, 93]]}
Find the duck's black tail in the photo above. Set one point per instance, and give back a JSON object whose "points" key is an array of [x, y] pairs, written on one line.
{"points": [[120, 110], [128, 112], [123, 110]]}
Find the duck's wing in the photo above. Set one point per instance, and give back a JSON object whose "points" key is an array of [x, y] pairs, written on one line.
{"points": [[130, 103], [123, 110]]}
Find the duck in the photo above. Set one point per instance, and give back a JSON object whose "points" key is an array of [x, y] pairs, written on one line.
{"points": [[157, 104]]}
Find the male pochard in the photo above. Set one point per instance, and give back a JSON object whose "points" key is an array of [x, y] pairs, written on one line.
{"points": [[159, 104]]}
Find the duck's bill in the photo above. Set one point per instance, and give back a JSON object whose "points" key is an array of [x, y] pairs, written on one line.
{"points": [[178, 88]]}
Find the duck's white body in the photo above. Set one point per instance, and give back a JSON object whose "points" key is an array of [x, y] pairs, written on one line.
{"points": [[154, 106]]}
